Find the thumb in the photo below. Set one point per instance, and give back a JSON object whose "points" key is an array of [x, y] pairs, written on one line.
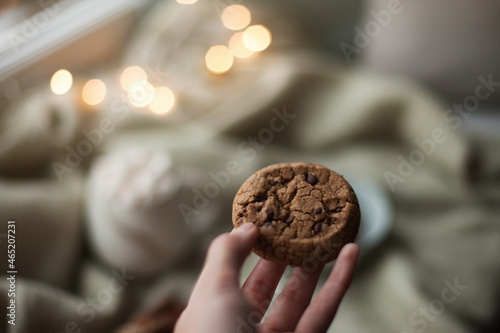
{"points": [[240, 243], [226, 256]]}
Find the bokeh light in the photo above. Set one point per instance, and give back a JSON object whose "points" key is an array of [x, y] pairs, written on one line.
{"points": [[61, 82], [163, 100], [257, 37], [186, 2], [236, 17], [238, 49], [130, 75], [219, 59], [141, 93], [94, 92]]}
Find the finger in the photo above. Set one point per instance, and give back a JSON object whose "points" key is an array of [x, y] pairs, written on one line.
{"points": [[261, 283], [319, 315], [225, 257], [293, 300]]}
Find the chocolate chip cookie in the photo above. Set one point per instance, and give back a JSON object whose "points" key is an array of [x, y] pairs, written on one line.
{"points": [[305, 213]]}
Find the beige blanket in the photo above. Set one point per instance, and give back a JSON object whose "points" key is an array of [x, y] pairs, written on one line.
{"points": [[437, 271]]}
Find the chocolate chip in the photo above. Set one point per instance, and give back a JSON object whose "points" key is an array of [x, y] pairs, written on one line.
{"points": [[267, 224], [270, 214], [273, 182], [260, 197], [290, 219], [311, 179], [317, 211], [317, 227]]}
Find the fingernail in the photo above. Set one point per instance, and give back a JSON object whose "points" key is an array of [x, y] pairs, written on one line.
{"points": [[244, 227]]}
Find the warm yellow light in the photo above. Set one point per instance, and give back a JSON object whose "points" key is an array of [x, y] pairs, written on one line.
{"points": [[186, 2], [238, 49], [130, 75], [61, 82], [141, 93], [219, 59], [93, 92], [257, 37], [236, 17], [163, 100]]}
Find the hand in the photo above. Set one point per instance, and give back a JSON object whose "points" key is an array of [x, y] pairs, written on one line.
{"points": [[219, 305]]}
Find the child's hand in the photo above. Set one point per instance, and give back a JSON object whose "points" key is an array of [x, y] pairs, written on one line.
{"points": [[219, 305]]}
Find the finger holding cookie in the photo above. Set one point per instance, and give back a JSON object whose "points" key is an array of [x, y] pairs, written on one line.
{"points": [[297, 214]]}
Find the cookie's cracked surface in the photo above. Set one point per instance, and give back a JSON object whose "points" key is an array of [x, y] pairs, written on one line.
{"points": [[305, 212]]}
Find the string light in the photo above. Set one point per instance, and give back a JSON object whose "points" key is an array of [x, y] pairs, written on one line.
{"points": [[186, 2], [163, 100], [257, 38], [61, 82], [236, 17], [130, 75], [94, 92], [141, 93], [238, 49], [219, 59]]}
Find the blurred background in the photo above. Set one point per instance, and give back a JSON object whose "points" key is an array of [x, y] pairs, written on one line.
{"points": [[126, 128]]}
